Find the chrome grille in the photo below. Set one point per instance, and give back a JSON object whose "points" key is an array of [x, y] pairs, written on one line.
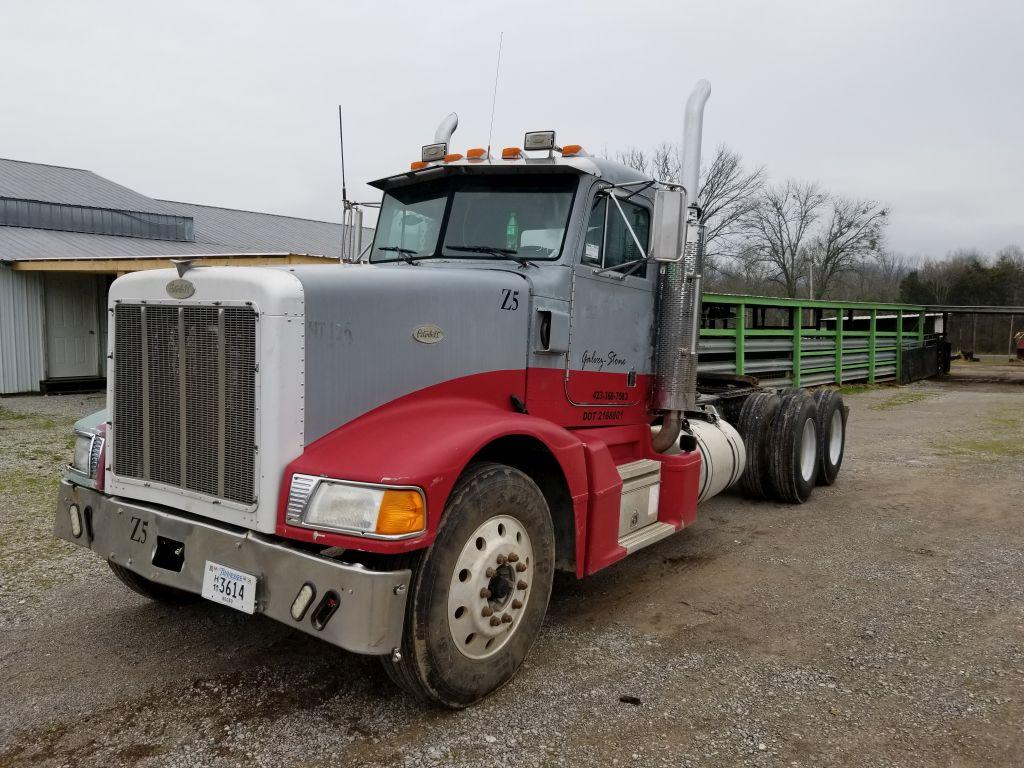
{"points": [[184, 397]]}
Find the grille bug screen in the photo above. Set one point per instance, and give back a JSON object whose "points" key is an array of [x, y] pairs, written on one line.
{"points": [[184, 397]]}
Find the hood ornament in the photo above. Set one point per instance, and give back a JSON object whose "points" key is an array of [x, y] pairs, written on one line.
{"points": [[182, 265]]}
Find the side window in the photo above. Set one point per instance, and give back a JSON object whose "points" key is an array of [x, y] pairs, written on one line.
{"points": [[595, 232], [608, 242]]}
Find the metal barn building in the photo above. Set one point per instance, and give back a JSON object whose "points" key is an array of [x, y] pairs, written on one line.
{"points": [[66, 233]]}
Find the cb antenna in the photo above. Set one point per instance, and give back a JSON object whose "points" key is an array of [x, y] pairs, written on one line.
{"points": [[494, 97], [341, 137], [351, 213]]}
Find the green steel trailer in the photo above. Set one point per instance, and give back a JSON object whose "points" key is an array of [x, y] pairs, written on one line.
{"points": [[802, 343]]}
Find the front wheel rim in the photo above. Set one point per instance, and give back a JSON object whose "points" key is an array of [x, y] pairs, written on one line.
{"points": [[490, 587]]}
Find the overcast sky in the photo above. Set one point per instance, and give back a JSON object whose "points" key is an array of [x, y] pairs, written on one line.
{"points": [[919, 105]]}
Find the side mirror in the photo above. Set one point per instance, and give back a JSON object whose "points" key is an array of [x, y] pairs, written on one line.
{"points": [[669, 225]]}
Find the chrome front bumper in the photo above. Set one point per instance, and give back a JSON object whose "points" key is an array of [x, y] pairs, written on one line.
{"points": [[369, 619]]}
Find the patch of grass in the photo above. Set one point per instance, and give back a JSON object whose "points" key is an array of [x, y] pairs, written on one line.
{"points": [[1005, 447], [1009, 421], [856, 389], [1002, 437], [14, 420], [9, 415], [901, 399]]}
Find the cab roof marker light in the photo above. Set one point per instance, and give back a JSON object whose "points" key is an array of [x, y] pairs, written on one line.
{"points": [[573, 150], [539, 140], [417, 165], [453, 157], [431, 153], [476, 153], [511, 153]]}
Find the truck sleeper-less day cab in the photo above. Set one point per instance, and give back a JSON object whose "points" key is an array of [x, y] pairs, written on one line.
{"points": [[396, 456]]}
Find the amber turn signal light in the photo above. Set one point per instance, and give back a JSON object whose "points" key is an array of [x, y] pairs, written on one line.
{"points": [[401, 512]]}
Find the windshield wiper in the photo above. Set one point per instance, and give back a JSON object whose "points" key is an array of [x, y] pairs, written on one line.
{"points": [[502, 253], [405, 254]]}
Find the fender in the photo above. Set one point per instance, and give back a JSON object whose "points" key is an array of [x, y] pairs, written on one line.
{"points": [[426, 439]]}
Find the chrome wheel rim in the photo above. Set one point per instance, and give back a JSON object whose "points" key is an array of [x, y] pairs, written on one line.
{"points": [[835, 441], [490, 587], [808, 450]]}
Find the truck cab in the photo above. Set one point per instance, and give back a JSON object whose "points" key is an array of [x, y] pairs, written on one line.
{"points": [[395, 454]]}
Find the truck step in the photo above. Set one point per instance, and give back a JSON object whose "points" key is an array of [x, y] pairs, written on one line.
{"points": [[644, 537]]}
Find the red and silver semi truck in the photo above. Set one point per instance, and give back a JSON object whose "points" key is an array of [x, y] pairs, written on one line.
{"points": [[396, 455]]}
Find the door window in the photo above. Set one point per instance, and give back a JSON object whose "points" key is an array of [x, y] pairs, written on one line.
{"points": [[608, 242]]}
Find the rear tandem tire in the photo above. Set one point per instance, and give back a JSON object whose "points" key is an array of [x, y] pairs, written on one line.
{"points": [[754, 421], [832, 416], [151, 589], [451, 653], [793, 448]]}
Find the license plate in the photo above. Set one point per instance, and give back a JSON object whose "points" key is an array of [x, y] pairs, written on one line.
{"points": [[229, 587]]}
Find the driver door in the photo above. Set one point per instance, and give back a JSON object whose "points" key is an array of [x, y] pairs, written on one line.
{"points": [[610, 344]]}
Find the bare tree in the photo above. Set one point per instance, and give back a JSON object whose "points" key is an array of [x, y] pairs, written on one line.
{"points": [[665, 162], [889, 270], [728, 195], [634, 158], [852, 233], [777, 230]]}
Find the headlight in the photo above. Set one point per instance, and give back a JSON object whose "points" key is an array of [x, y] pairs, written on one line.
{"points": [[362, 509], [88, 446]]}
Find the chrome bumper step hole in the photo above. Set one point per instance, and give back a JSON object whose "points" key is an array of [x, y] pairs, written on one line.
{"points": [[169, 554], [327, 607]]}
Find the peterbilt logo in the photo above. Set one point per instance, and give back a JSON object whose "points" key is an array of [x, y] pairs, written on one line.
{"points": [[180, 289], [427, 334]]}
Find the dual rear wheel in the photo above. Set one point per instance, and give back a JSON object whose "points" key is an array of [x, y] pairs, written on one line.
{"points": [[794, 441]]}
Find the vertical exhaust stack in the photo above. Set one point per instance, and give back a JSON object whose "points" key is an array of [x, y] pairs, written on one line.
{"points": [[679, 295]]}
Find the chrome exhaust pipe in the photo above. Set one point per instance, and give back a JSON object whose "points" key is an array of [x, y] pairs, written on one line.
{"points": [[679, 294], [693, 129]]}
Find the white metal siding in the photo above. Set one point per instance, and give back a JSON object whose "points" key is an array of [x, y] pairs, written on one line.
{"points": [[21, 331]]}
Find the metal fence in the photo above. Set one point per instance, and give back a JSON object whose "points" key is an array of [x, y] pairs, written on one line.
{"points": [[792, 342]]}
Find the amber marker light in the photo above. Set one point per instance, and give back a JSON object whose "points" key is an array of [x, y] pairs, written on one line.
{"points": [[401, 513], [476, 153], [511, 153], [452, 157], [571, 149], [417, 165]]}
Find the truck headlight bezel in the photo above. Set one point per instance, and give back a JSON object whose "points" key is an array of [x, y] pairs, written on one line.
{"points": [[88, 448], [367, 510]]}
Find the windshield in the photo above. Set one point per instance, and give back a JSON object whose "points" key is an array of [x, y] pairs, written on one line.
{"points": [[482, 217]]}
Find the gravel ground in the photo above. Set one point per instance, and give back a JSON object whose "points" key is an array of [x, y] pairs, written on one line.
{"points": [[881, 624]]}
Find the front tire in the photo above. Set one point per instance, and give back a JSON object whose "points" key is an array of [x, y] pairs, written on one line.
{"points": [[479, 592], [153, 590]]}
